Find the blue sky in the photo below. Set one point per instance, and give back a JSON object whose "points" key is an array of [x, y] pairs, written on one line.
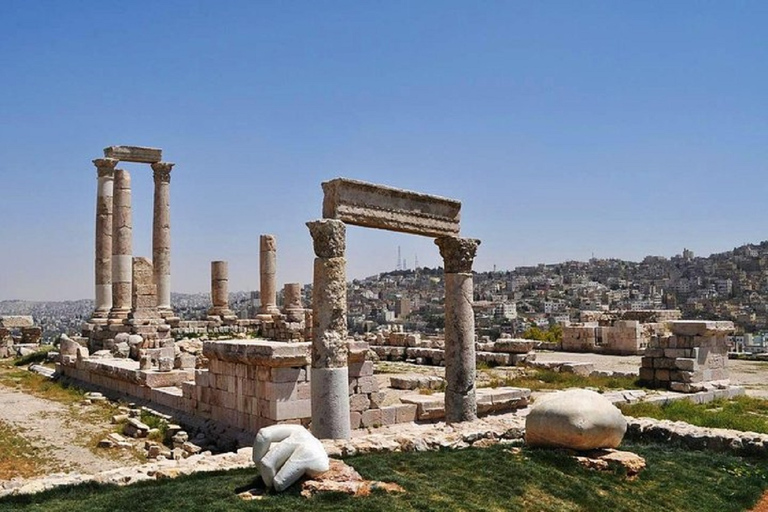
{"points": [[565, 128]]}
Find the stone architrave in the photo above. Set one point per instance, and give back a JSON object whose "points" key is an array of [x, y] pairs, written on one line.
{"points": [[460, 400], [122, 246], [138, 154], [329, 373], [220, 289], [376, 206], [292, 306], [268, 268], [161, 236], [105, 167]]}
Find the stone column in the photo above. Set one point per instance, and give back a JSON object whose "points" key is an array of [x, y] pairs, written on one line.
{"points": [[329, 373], [220, 289], [105, 167], [122, 247], [292, 306], [161, 236], [460, 400], [268, 267]]}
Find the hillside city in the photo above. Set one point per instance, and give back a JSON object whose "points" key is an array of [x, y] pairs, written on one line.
{"points": [[732, 285]]}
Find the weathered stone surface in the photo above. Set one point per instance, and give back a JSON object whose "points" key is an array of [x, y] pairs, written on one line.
{"points": [[608, 460], [284, 453], [514, 345], [377, 206], [134, 154], [458, 253], [258, 352], [577, 419], [161, 235], [328, 238], [268, 274], [700, 327], [344, 479], [16, 321]]}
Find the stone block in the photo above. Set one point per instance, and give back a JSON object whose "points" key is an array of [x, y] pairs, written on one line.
{"points": [[405, 413], [138, 154], [367, 385], [429, 407], [355, 419], [388, 415], [686, 364], [662, 375], [376, 206], [700, 327], [293, 409], [361, 369], [359, 402], [259, 353], [372, 418], [646, 374]]}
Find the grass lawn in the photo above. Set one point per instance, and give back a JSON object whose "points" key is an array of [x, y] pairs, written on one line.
{"points": [[492, 479], [542, 378], [742, 413]]}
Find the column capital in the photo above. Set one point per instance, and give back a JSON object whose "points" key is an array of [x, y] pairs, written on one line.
{"points": [[105, 167], [162, 171], [328, 237], [458, 253]]}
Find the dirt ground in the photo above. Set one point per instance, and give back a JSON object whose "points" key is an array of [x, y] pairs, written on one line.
{"points": [[65, 433]]}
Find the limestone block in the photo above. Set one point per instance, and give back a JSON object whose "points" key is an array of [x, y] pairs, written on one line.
{"points": [[16, 321], [376, 206], [138, 154], [515, 346], [583, 369], [700, 327], [577, 419], [258, 353], [67, 346], [372, 418]]}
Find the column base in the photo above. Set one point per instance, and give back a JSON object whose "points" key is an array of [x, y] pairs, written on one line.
{"points": [[330, 403], [119, 314]]}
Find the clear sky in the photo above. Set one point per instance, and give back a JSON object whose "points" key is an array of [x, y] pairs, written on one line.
{"points": [[567, 129]]}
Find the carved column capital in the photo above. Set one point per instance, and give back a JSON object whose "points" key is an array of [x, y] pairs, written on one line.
{"points": [[105, 167], [458, 253], [328, 237], [162, 171]]}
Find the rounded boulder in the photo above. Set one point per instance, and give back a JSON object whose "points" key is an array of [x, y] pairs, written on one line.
{"points": [[577, 419]]}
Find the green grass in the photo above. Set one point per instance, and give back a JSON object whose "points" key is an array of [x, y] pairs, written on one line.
{"points": [[537, 379], [35, 357], [742, 413], [493, 479], [43, 387]]}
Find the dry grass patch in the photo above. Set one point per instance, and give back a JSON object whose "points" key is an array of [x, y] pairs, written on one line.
{"points": [[18, 458]]}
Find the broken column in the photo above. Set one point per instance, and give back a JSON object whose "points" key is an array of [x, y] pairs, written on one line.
{"points": [[220, 290], [458, 255], [329, 374], [292, 306], [268, 267], [122, 246], [161, 236], [105, 168]]}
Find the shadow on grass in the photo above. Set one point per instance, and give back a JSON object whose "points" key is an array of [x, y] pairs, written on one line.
{"points": [[497, 478]]}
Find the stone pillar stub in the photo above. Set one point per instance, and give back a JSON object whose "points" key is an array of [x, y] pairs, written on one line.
{"points": [[161, 236], [292, 305], [220, 289], [144, 290], [268, 275], [122, 246], [105, 168], [460, 398], [330, 384]]}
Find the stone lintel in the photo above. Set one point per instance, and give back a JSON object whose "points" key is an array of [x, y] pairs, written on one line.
{"points": [[258, 353], [701, 327], [16, 321], [138, 154], [377, 206]]}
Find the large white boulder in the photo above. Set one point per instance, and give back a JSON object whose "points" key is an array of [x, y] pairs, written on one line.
{"points": [[577, 419]]}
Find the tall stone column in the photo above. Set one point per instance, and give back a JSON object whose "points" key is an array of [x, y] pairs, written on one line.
{"points": [[329, 373], [268, 268], [105, 168], [161, 236], [460, 400], [122, 246], [220, 289]]}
